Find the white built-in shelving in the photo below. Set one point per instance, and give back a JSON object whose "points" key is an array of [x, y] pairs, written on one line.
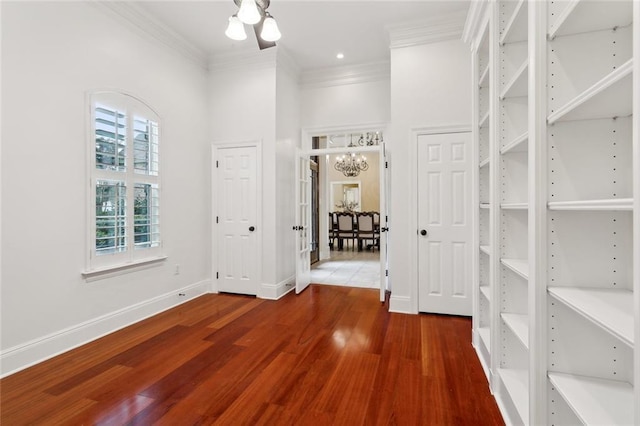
{"points": [[484, 73], [557, 97]]}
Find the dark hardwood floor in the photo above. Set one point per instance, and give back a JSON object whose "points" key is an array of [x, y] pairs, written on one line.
{"points": [[329, 356]]}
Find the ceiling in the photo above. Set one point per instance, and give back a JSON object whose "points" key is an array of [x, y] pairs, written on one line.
{"points": [[313, 32]]}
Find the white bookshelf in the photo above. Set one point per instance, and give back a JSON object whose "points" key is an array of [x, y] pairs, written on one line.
{"points": [[590, 339], [610, 309], [518, 144], [558, 184], [609, 97], [519, 325], [596, 401], [614, 204], [519, 266], [516, 384]]}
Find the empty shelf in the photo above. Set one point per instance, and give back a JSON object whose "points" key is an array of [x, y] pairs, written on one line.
{"points": [[485, 249], [519, 144], [611, 204], [484, 76], [519, 266], [486, 291], [516, 382], [584, 16], [484, 162], [519, 84], [484, 120], [514, 206], [610, 309], [609, 97], [519, 324], [516, 28], [596, 401], [485, 205], [485, 336]]}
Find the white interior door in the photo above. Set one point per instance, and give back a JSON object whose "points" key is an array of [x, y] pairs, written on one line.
{"points": [[302, 227], [384, 285], [444, 228], [237, 232]]}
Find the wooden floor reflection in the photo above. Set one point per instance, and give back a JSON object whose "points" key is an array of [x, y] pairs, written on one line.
{"points": [[331, 355]]}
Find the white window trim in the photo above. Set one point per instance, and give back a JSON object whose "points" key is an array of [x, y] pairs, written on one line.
{"points": [[110, 265]]}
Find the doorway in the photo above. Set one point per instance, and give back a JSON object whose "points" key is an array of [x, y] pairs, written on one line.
{"points": [[349, 266]]}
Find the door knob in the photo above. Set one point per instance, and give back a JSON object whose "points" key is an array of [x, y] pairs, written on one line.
{"points": [[423, 232], [252, 228]]}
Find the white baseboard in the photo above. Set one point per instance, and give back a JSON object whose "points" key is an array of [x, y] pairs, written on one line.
{"points": [[276, 291], [401, 304], [35, 351]]}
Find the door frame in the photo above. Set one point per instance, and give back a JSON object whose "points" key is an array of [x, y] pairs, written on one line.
{"points": [[215, 235], [413, 207]]}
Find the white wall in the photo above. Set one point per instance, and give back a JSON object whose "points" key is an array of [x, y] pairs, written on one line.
{"points": [[345, 104], [242, 108], [287, 140], [429, 87], [52, 54]]}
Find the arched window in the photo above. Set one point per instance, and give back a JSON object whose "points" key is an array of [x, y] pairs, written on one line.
{"points": [[125, 181]]}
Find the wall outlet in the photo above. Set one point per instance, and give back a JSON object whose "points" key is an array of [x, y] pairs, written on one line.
{"points": [[177, 271]]}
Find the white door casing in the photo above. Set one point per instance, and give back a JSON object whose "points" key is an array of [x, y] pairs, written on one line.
{"points": [[302, 227], [444, 223], [235, 211]]}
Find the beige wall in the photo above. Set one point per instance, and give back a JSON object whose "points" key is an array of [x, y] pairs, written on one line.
{"points": [[369, 182]]}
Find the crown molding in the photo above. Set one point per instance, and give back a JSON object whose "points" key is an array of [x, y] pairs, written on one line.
{"points": [[474, 20], [445, 27], [136, 18], [349, 74]]}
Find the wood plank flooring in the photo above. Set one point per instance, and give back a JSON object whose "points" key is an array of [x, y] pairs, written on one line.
{"points": [[329, 356]]}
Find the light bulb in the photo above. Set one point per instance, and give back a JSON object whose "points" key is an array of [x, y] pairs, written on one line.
{"points": [[235, 30], [270, 31], [249, 13]]}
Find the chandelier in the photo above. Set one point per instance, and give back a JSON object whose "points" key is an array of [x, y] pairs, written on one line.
{"points": [[351, 164], [253, 12], [370, 138]]}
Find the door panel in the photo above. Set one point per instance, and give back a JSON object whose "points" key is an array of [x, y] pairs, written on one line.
{"points": [[303, 222], [237, 213], [444, 257]]}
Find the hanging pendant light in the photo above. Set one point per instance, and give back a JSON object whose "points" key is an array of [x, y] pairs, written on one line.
{"points": [[235, 30], [249, 12], [270, 31]]}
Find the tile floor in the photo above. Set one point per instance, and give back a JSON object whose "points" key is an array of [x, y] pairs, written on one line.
{"points": [[350, 268]]}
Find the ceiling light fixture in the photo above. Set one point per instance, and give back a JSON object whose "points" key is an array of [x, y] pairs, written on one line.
{"points": [[340, 56], [270, 31], [254, 12], [249, 13], [235, 30]]}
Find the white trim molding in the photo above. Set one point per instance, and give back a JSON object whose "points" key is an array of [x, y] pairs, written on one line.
{"points": [[344, 75], [401, 304], [136, 18], [278, 290], [477, 11], [37, 350], [445, 27]]}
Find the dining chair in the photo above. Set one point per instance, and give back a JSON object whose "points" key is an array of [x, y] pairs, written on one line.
{"points": [[346, 230]]}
